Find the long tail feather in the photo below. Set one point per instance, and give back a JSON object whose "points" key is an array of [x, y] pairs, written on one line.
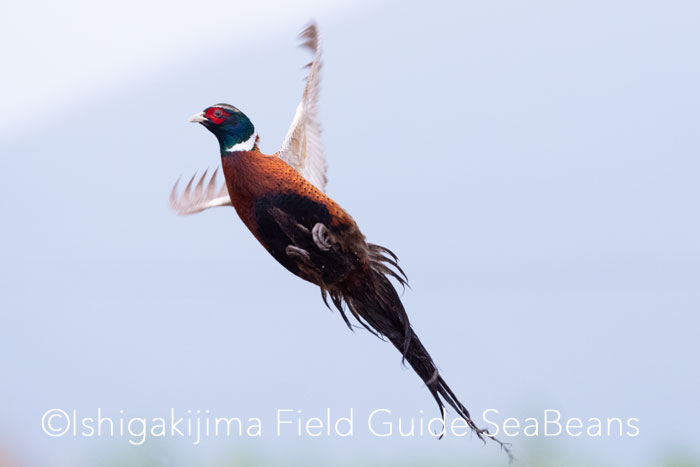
{"points": [[374, 302]]}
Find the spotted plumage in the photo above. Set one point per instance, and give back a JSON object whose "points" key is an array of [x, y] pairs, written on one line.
{"points": [[281, 199]]}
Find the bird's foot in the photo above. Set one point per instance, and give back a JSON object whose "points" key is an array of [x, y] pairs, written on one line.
{"points": [[298, 253], [321, 237]]}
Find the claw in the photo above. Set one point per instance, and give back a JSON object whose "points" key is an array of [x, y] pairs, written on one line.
{"points": [[321, 237], [296, 252]]}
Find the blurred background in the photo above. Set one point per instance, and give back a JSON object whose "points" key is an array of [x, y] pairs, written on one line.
{"points": [[535, 165]]}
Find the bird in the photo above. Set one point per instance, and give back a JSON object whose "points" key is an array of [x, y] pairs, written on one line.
{"points": [[281, 199]]}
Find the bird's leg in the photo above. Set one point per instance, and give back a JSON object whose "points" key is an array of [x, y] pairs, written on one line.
{"points": [[297, 253], [321, 237], [291, 228], [306, 267]]}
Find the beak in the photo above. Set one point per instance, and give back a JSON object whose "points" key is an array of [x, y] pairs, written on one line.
{"points": [[197, 118]]}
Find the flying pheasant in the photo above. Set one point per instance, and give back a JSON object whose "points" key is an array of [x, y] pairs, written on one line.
{"points": [[281, 199]]}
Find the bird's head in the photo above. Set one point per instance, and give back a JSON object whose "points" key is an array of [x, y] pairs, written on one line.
{"points": [[231, 127]]}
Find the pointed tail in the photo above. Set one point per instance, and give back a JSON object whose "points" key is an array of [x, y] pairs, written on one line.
{"points": [[374, 302]]}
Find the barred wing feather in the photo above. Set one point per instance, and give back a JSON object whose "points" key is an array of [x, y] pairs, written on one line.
{"points": [[302, 147], [192, 201]]}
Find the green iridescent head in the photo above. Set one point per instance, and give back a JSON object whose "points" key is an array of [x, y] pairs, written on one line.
{"points": [[231, 127]]}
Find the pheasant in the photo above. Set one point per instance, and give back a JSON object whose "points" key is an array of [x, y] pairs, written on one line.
{"points": [[281, 199]]}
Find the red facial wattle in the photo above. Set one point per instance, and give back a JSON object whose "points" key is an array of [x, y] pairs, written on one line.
{"points": [[216, 115]]}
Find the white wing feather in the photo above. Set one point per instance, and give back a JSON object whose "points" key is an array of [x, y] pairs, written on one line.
{"points": [[193, 201], [302, 147]]}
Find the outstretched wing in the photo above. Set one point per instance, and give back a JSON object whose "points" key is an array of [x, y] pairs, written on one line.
{"points": [[302, 147], [192, 201]]}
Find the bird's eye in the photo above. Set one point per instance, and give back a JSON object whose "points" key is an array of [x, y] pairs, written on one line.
{"points": [[218, 113]]}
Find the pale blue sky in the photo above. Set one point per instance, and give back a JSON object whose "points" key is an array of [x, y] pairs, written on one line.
{"points": [[535, 167]]}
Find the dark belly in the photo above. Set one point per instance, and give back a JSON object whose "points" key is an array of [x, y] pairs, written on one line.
{"points": [[284, 219]]}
